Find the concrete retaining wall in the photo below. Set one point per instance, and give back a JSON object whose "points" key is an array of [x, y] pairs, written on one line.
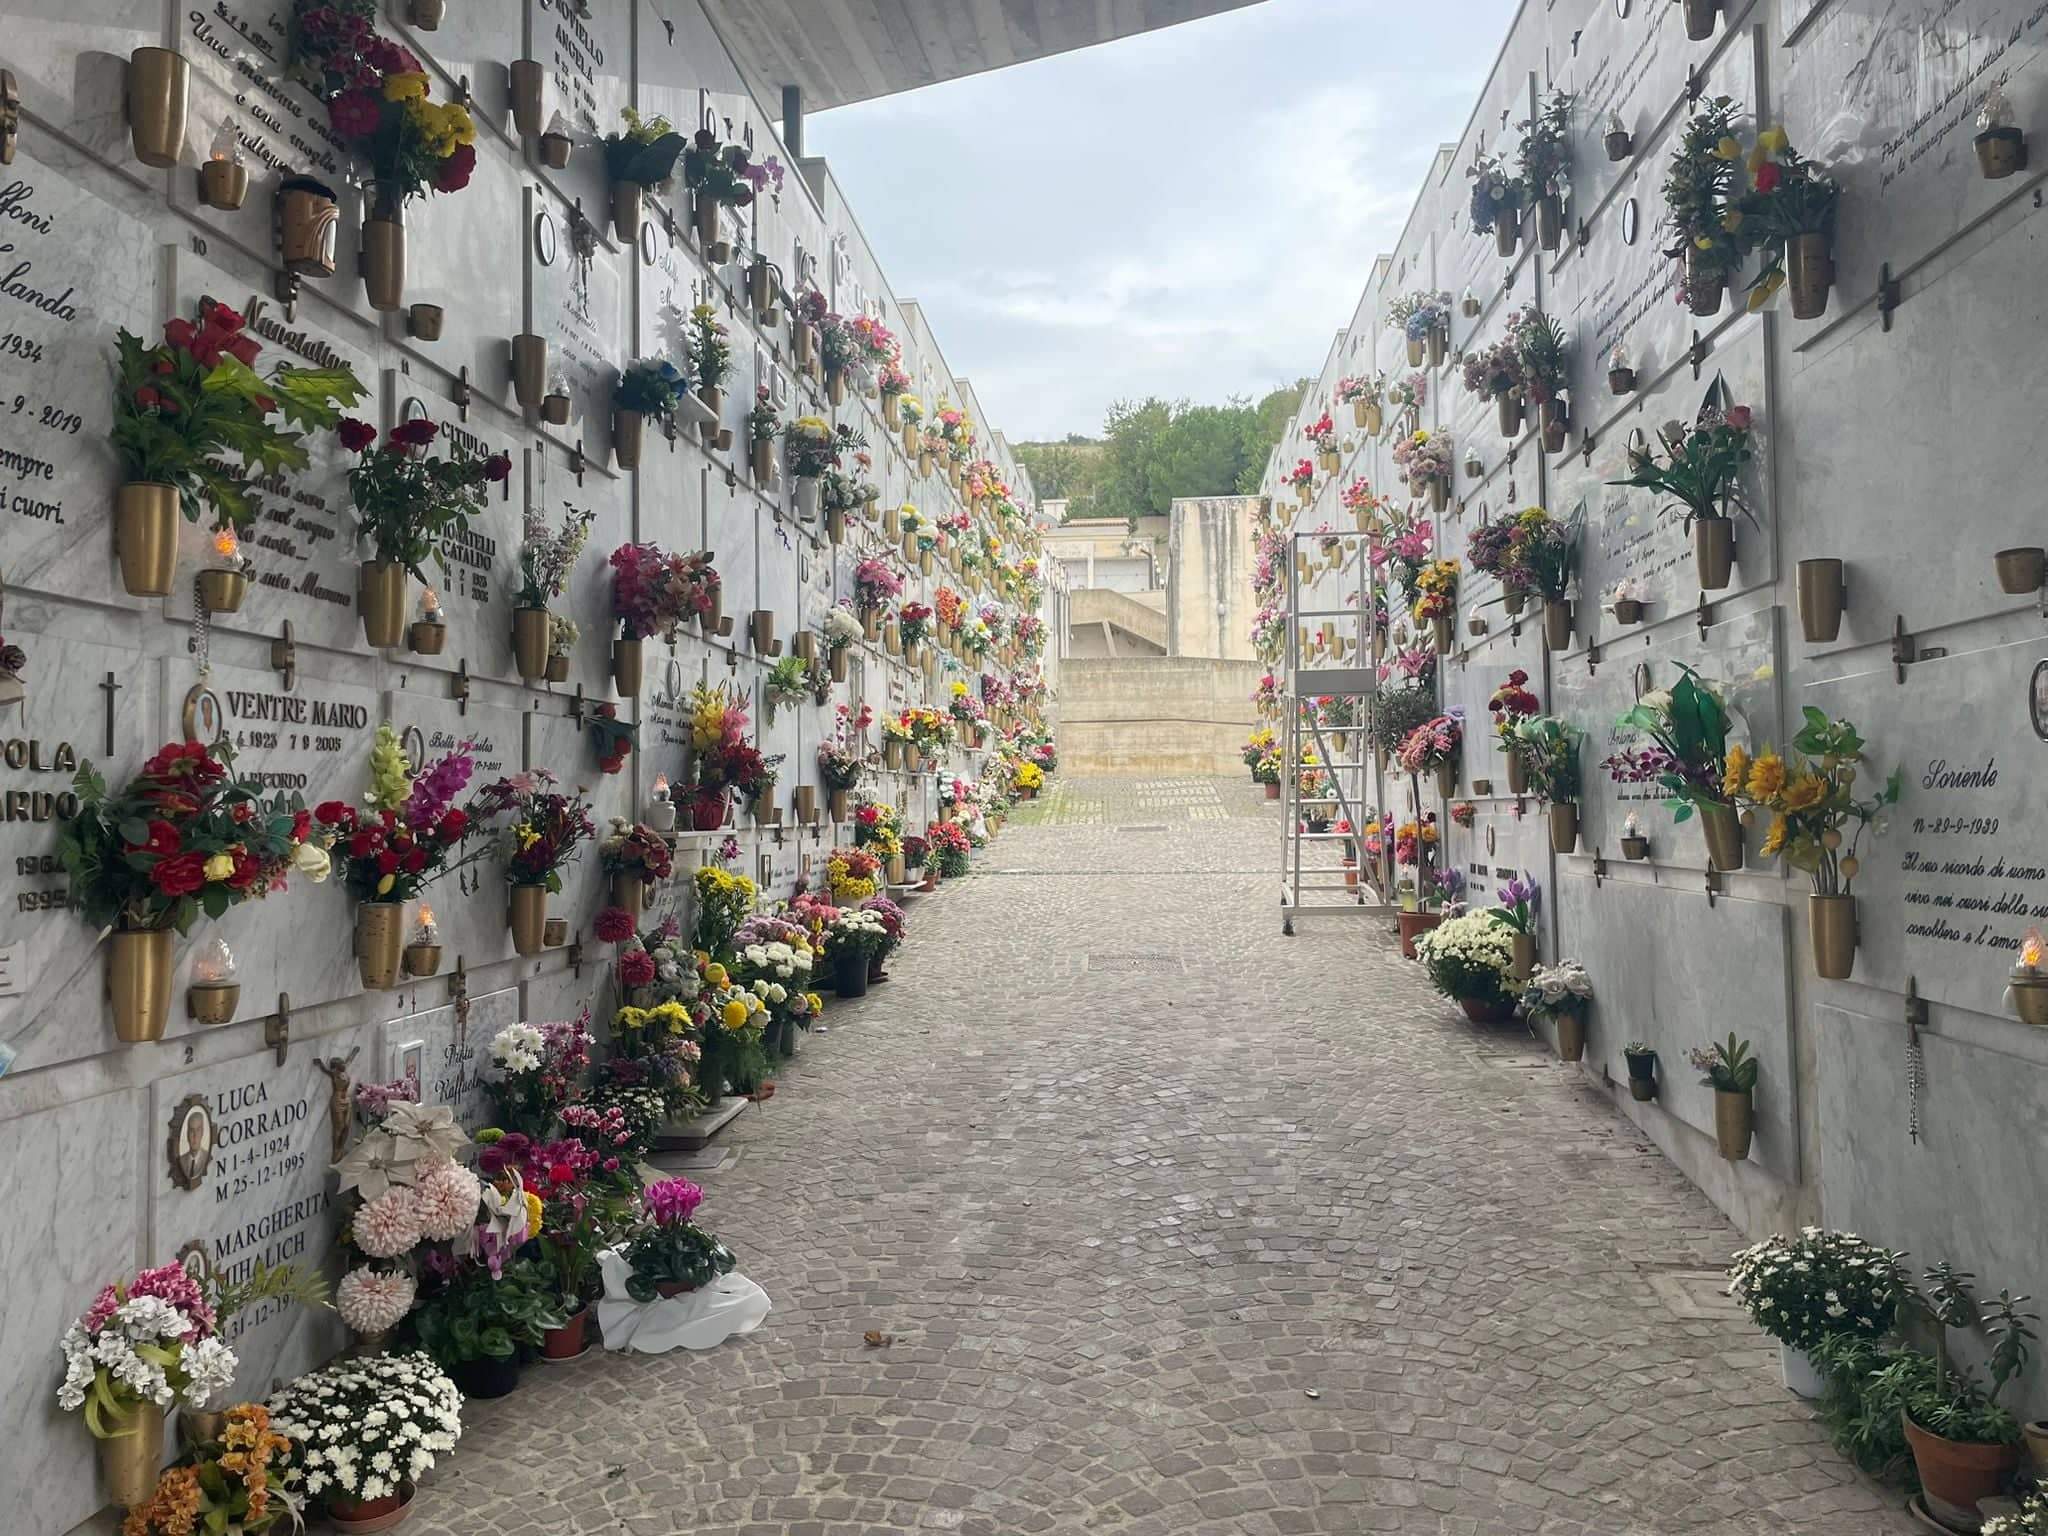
{"points": [[1162, 715]]}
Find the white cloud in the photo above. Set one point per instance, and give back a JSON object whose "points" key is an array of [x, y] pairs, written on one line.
{"points": [[1191, 212]]}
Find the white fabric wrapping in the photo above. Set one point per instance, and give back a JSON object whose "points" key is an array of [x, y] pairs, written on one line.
{"points": [[701, 1319]]}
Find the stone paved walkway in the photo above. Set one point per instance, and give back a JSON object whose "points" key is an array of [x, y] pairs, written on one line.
{"points": [[1179, 1228]]}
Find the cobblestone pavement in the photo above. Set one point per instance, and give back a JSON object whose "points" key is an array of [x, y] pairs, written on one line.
{"points": [[1178, 1228]]}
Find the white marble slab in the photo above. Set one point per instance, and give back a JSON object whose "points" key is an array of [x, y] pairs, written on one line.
{"points": [[453, 1052]]}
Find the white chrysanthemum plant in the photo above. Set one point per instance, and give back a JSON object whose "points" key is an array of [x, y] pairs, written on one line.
{"points": [[151, 1342], [1800, 1290], [1468, 959], [1563, 988], [409, 1190], [517, 1048], [366, 1429]]}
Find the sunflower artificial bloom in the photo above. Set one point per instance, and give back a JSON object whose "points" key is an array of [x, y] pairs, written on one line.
{"points": [[1774, 840], [405, 86], [1737, 770], [1766, 776], [1805, 792]]}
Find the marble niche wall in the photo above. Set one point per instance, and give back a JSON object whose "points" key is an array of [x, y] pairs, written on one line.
{"points": [[92, 242], [1895, 433]]}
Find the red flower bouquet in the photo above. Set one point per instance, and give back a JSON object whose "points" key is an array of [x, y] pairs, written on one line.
{"points": [[656, 593]]}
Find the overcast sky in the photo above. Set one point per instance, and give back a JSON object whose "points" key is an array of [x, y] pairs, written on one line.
{"points": [[1188, 213]]}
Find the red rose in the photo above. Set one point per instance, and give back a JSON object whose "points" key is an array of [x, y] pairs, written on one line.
{"points": [[452, 826], [247, 869], [416, 861], [387, 862], [302, 823], [416, 433], [498, 467], [162, 839], [354, 114], [181, 874], [243, 349], [329, 812], [220, 317], [149, 399], [636, 968], [1768, 175], [180, 333], [364, 843], [355, 435], [456, 169]]}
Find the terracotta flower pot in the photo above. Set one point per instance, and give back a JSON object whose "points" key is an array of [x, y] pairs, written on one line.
{"points": [[1411, 925], [1487, 1011], [527, 914], [139, 984], [569, 1340], [1713, 548], [1831, 926], [1954, 1474], [146, 537], [1272, 791], [381, 592], [1809, 273], [351, 1517], [1734, 1124]]}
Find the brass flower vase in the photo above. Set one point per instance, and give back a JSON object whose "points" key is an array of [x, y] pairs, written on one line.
{"points": [[627, 197], [1507, 231], [422, 960], [1518, 775], [1822, 595], [1571, 1036], [146, 537], [380, 943], [2020, 570], [1564, 826], [1557, 623], [629, 433], [1809, 274], [555, 150], [629, 891], [527, 82], [1509, 406], [307, 219], [131, 1460], [383, 252], [224, 183], [528, 915], [159, 93], [1699, 18], [626, 656], [2000, 152], [1713, 549], [213, 1002], [529, 369], [381, 594], [761, 454], [139, 988], [1523, 948], [558, 668], [1734, 1124], [1550, 231], [427, 637], [554, 933], [1723, 829], [1831, 925], [530, 643]]}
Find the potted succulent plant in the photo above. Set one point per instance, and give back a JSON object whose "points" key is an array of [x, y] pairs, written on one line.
{"points": [[1642, 1071], [1731, 1071]]}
